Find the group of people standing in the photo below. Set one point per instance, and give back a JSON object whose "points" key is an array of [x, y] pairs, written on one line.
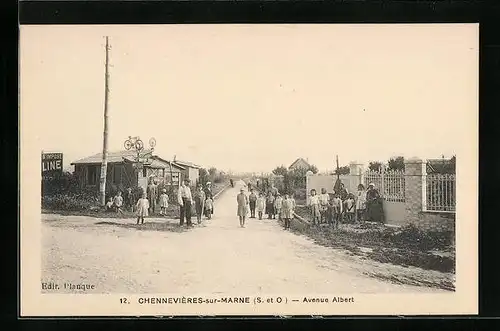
{"points": [[274, 205], [152, 198], [202, 200], [345, 207]]}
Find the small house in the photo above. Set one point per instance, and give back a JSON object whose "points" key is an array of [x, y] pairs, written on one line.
{"points": [[300, 163], [125, 170], [190, 170]]}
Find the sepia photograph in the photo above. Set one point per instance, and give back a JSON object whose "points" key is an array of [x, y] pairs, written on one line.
{"points": [[249, 169]]}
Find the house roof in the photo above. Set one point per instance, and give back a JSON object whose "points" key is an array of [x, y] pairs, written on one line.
{"points": [[113, 157], [162, 163], [126, 156], [187, 164], [297, 161]]}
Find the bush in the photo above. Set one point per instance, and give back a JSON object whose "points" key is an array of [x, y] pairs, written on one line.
{"points": [[65, 182], [69, 202]]}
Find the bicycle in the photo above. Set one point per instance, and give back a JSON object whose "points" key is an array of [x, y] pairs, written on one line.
{"points": [[135, 142]]}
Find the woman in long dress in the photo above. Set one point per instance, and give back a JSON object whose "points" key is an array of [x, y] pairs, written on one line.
{"points": [[374, 207], [242, 201]]}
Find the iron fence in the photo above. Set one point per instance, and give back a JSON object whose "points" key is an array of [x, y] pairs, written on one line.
{"points": [[441, 192]]}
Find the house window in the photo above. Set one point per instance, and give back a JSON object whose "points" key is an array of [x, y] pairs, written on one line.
{"points": [[175, 178], [91, 175], [117, 174]]}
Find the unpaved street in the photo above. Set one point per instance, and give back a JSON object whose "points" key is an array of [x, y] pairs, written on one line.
{"points": [[218, 257]]}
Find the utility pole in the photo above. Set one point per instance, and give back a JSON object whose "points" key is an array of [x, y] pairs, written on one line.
{"points": [[336, 186], [338, 169], [104, 164]]}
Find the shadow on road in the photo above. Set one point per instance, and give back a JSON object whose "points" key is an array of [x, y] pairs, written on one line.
{"points": [[148, 226]]}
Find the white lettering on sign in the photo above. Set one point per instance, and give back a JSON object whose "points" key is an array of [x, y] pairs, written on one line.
{"points": [[52, 162]]}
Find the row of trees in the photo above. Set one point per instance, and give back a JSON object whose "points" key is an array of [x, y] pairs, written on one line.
{"points": [[211, 175], [447, 166], [293, 179], [393, 164]]}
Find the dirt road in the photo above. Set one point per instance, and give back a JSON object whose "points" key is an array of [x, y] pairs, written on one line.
{"points": [[217, 257]]}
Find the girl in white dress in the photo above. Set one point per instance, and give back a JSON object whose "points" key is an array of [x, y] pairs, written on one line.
{"points": [[142, 208], [163, 202], [314, 204], [360, 203], [261, 205]]}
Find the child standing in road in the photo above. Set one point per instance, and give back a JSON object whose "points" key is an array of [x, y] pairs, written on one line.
{"points": [[330, 214], [209, 205], [130, 200], [109, 204], [314, 204], [270, 205], [294, 204], [163, 202], [324, 197], [261, 205], [350, 208], [287, 211], [142, 208], [277, 206], [118, 202], [361, 203], [337, 208]]}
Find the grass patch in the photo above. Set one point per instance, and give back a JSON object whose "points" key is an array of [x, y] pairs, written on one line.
{"points": [[406, 246]]}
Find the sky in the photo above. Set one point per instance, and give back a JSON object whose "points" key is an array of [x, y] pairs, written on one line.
{"points": [[253, 97]]}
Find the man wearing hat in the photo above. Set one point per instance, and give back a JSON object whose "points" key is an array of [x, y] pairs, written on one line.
{"points": [[152, 194], [185, 200]]}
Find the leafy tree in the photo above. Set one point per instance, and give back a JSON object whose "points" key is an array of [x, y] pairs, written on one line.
{"points": [[375, 166], [281, 170], [345, 170], [397, 163], [213, 172], [445, 167], [313, 168], [204, 176]]}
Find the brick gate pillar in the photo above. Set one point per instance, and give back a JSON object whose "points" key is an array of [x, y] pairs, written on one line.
{"points": [[415, 195]]}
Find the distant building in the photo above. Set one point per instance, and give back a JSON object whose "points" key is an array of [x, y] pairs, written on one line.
{"points": [[190, 171], [300, 163], [123, 173]]}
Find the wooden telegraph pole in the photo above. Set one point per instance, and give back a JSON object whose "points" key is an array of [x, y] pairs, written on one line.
{"points": [[104, 164], [336, 187]]}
